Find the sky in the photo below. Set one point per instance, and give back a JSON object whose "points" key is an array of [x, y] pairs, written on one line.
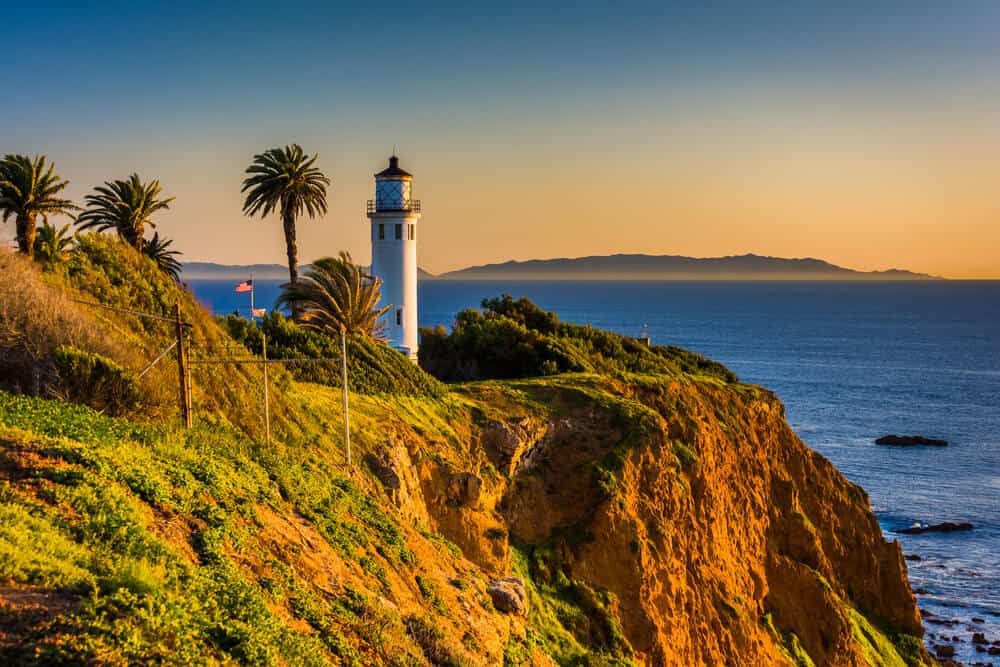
{"points": [[865, 134]]}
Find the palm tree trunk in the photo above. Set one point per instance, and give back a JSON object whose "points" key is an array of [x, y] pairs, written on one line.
{"points": [[288, 219], [25, 229]]}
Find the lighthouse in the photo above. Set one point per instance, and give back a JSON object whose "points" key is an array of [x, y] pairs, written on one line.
{"points": [[394, 215]]}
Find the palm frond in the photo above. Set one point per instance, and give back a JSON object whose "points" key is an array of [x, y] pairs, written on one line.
{"points": [[28, 189], [52, 244], [336, 294], [158, 250], [125, 207]]}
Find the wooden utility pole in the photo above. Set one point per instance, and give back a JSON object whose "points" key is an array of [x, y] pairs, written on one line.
{"points": [[267, 405], [182, 368], [343, 391]]}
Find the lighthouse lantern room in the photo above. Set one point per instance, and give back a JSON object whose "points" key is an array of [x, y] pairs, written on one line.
{"points": [[394, 215]]}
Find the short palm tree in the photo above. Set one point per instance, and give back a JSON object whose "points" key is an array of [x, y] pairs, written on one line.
{"points": [[158, 250], [287, 180], [52, 244], [28, 189], [125, 207], [335, 296]]}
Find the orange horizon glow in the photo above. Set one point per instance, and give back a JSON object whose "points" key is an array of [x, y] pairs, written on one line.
{"points": [[870, 140]]}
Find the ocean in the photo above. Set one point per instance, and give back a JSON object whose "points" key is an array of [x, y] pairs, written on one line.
{"points": [[851, 362]]}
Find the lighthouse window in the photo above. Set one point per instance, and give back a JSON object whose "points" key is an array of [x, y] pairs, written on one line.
{"points": [[381, 231], [399, 317], [399, 232], [412, 232]]}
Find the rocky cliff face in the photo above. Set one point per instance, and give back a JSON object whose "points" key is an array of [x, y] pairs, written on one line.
{"points": [[683, 522]]}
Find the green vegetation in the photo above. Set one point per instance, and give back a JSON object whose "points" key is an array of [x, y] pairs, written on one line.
{"points": [[52, 244], [788, 643], [95, 522], [337, 296], [88, 377], [372, 367], [29, 189], [516, 339], [287, 180], [159, 251], [124, 207], [567, 620], [879, 649]]}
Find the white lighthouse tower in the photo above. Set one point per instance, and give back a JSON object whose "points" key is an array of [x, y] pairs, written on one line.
{"points": [[394, 215]]}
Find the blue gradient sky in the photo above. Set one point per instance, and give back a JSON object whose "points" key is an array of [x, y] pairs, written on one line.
{"points": [[869, 136]]}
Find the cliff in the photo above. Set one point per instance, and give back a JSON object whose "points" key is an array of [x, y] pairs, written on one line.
{"points": [[667, 518]]}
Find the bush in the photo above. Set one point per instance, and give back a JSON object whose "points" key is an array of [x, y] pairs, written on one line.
{"points": [[515, 338], [35, 319], [94, 380], [372, 367]]}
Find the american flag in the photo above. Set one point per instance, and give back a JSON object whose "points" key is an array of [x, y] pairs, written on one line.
{"points": [[245, 286]]}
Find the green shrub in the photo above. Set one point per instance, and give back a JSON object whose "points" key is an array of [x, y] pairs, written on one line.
{"points": [[95, 380], [515, 339], [372, 367]]}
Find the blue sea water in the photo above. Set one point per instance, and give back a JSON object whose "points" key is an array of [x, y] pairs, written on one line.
{"points": [[851, 361]]}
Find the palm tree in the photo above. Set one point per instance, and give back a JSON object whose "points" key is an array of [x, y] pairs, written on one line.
{"points": [[27, 190], [124, 206], [285, 179], [157, 249], [52, 244], [336, 296]]}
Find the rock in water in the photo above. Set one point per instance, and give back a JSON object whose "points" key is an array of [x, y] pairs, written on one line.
{"points": [[944, 651], [509, 596], [910, 441], [946, 527]]}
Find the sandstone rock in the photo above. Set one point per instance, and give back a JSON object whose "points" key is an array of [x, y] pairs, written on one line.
{"points": [[506, 441], [392, 465], [465, 488], [910, 441], [946, 527], [509, 596]]}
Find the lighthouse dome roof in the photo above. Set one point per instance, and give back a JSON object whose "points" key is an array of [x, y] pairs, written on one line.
{"points": [[393, 171]]}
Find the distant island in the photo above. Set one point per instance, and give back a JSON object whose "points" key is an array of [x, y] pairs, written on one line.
{"points": [[605, 267], [675, 267]]}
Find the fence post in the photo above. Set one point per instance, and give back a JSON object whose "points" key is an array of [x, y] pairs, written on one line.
{"points": [[267, 405], [343, 384], [182, 368]]}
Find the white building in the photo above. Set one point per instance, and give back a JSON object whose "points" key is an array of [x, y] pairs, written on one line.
{"points": [[394, 215]]}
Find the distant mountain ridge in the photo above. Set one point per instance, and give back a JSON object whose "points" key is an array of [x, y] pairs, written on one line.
{"points": [[213, 271], [604, 267], [675, 267]]}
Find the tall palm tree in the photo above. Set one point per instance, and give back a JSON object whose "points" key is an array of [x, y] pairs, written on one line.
{"points": [[287, 180], [52, 244], [335, 296], [28, 189], [124, 206], [158, 250]]}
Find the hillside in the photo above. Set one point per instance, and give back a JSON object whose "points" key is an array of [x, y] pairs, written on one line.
{"points": [[674, 267], [651, 514]]}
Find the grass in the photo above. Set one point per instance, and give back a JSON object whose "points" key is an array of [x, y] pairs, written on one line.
{"points": [[86, 522], [568, 621]]}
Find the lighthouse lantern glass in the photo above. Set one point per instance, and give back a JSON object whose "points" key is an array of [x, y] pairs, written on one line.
{"points": [[391, 194]]}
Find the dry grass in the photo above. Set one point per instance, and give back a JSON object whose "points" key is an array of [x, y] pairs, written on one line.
{"points": [[35, 319]]}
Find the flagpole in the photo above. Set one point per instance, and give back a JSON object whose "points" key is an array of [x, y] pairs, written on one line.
{"points": [[252, 318]]}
